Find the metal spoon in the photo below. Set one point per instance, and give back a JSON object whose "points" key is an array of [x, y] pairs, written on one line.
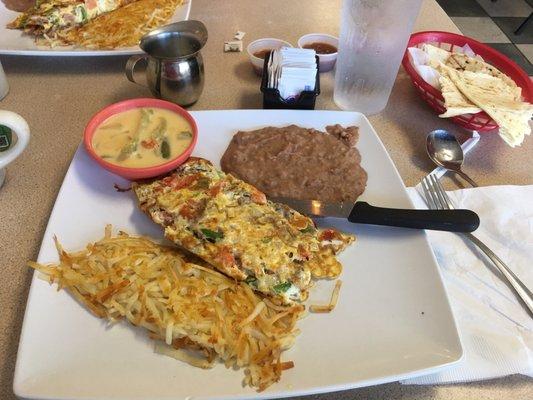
{"points": [[445, 151]]}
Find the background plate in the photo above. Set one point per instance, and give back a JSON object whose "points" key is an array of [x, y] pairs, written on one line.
{"points": [[13, 41], [393, 319]]}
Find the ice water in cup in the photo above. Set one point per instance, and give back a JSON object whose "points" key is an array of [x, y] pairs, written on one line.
{"points": [[373, 38]]}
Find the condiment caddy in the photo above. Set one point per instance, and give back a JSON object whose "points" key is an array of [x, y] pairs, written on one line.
{"points": [[273, 100]]}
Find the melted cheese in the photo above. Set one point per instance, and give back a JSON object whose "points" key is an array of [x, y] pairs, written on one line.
{"points": [[232, 226]]}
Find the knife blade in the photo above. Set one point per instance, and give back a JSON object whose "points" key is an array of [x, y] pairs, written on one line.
{"points": [[363, 213], [317, 208]]}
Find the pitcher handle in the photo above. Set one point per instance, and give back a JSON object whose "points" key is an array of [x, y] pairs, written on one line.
{"points": [[20, 127], [130, 67]]}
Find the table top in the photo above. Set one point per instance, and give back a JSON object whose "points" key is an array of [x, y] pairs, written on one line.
{"points": [[57, 96]]}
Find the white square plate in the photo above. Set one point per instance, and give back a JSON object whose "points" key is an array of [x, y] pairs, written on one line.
{"points": [[13, 41], [393, 319]]}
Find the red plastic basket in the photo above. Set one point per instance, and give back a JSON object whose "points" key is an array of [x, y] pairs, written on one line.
{"points": [[448, 41]]}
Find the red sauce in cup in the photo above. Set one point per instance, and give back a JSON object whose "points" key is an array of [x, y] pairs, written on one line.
{"points": [[321, 48], [262, 53]]}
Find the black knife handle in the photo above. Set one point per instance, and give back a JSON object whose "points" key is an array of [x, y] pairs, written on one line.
{"points": [[437, 220]]}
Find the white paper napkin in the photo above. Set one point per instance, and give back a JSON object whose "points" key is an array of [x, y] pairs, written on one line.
{"points": [[496, 332]]}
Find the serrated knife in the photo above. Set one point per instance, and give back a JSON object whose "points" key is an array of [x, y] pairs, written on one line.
{"points": [[364, 213]]}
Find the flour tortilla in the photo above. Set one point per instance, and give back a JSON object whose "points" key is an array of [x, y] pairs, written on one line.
{"points": [[435, 54], [462, 62], [496, 98], [456, 104]]}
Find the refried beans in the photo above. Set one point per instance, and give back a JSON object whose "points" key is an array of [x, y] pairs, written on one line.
{"points": [[18, 5], [298, 162]]}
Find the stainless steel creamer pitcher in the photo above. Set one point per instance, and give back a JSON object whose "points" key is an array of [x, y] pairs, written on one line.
{"points": [[175, 70]]}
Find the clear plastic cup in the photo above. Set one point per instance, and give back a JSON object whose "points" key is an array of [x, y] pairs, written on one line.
{"points": [[374, 35]]}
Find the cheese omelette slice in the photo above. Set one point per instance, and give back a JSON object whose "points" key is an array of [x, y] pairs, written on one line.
{"points": [[231, 225]]}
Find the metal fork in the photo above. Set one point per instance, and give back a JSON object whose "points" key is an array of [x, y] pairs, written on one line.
{"points": [[437, 198]]}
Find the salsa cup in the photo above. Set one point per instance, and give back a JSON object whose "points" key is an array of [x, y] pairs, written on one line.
{"points": [[326, 61], [260, 45]]}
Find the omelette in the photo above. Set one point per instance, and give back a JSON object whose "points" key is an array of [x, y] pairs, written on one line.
{"points": [[231, 225], [50, 16]]}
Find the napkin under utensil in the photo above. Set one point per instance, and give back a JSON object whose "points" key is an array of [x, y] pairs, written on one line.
{"points": [[496, 331]]}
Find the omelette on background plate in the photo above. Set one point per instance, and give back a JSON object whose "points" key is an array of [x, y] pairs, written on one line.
{"points": [[47, 17], [93, 24]]}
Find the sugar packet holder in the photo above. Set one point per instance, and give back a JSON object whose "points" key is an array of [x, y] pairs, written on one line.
{"points": [[273, 100]]}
